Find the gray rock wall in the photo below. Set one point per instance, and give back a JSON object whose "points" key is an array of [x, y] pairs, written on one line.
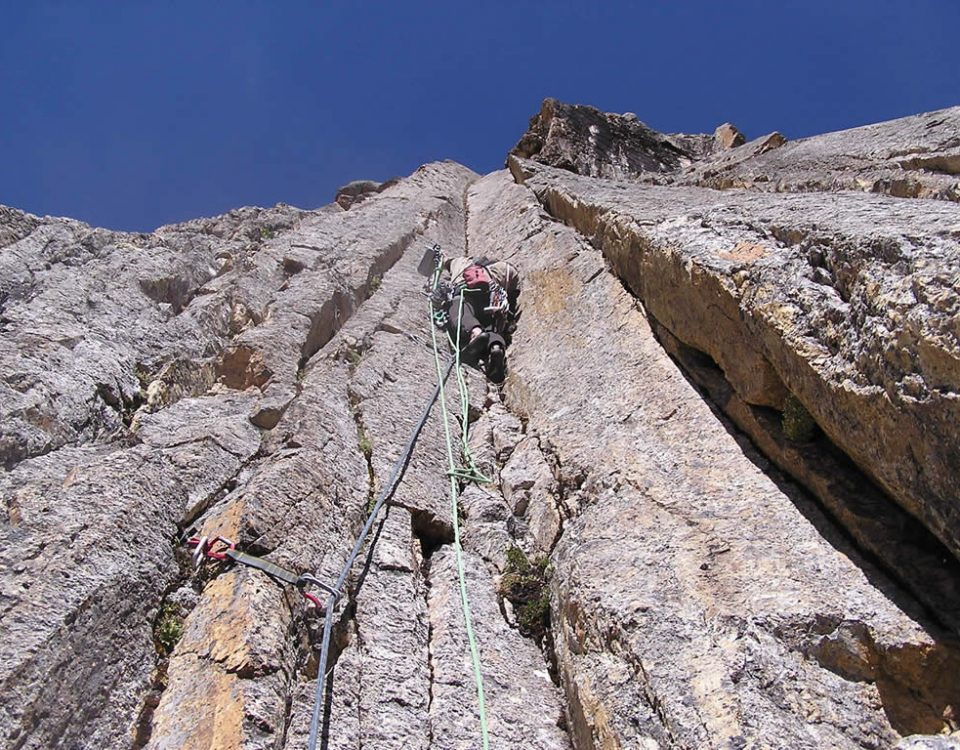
{"points": [[697, 602], [845, 304], [913, 157], [275, 432], [256, 375]]}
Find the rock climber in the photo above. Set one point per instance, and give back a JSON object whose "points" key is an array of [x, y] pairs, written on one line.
{"points": [[490, 310]]}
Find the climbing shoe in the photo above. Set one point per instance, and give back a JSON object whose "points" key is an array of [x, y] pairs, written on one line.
{"points": [[472, 353], [496, 368]]}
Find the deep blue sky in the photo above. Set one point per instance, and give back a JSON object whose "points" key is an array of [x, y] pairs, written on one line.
{"points": [[134, 114]]}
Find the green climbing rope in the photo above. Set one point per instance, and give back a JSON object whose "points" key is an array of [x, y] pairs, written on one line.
{"points": [[454, 474], [472, 473]]}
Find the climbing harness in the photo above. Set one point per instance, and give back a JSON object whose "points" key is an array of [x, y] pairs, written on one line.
{"points": [[222, 549]]}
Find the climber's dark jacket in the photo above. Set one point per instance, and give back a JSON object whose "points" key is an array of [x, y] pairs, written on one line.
{"points": [[482, 306]]}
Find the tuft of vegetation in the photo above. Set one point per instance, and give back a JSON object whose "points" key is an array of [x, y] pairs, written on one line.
{"points": [[266, 233], [366, 447], [524, 585], [374, 284], [167, 628], [143, 375], [353, 357], [797, 423]]}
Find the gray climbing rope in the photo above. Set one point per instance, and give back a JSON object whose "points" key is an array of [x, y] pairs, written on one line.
{"points": [[385, 494]]}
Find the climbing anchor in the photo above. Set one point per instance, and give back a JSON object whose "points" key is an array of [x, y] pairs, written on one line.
{"points": [[221, 549]]}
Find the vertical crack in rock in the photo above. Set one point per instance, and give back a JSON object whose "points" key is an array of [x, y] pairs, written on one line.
{"points": [[364, 444], [329, 320], [390, 382], [429, 546], [465, 203], [390, 374], [294, 503], [676, 537], [568, 484], [116, 587], [865, 510], [175, 605]]}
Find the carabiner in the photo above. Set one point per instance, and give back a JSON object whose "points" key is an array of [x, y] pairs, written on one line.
{"points": [[205, 547]]}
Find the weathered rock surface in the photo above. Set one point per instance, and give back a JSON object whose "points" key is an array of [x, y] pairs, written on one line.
{"points": [[94, 527], [695, 600], [913, 157], [86, 554], [928, 742], [256, 375], [848, 305], [727, 136], [406, 644], [590, 142], [97, 322], [358, 191]]}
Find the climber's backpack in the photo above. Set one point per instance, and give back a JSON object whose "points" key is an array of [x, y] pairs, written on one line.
{"points": [[476, 277]]}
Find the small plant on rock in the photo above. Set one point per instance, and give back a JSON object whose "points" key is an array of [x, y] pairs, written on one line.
{"points": [[353, 357], [167, 628], [143, 375], [366, 447], [524, 585], [798, 425]]}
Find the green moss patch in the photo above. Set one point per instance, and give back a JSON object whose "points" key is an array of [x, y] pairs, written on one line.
{"points": [[524, 585], [798, 425]]}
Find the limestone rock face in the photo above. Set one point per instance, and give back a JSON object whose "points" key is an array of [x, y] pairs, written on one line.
{"points": [[275, 433], [699, 602], [727, 136], [721, 510], [913, 157], [590, 142], [358, 191], [828, 303]]}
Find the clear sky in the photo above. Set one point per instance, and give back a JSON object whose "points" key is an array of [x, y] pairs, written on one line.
{"points": [[134, 114]]}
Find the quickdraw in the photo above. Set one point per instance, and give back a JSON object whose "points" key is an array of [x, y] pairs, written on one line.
{"points": [[498, 299], [222, 549], [440, 297]]}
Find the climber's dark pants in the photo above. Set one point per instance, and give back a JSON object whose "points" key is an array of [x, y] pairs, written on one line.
{"points": [[472, 316], [469, 317]]}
